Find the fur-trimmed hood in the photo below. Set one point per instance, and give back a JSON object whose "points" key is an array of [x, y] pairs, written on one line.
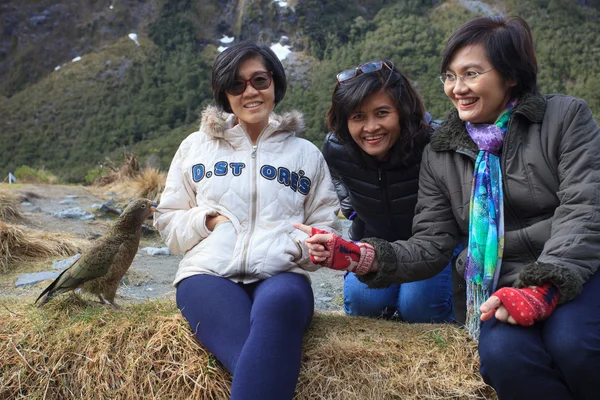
{"points": [[216, 122], [452, 134]]}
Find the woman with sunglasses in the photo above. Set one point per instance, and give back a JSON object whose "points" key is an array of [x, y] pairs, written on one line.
{"points": [[232, 192], [514, 175], [379, 129]]}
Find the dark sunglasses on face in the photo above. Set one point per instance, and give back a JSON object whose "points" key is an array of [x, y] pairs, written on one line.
{"points": [[259, 81], [372, 66]]}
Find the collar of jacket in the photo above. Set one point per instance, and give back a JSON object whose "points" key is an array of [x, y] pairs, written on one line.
{"points": [[452, 135], [217, 123]]}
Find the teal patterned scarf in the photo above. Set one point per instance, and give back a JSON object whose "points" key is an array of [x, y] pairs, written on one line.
{"points": [[486, 219]]}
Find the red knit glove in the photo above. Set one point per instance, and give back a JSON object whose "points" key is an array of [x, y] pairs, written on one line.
{"points": [[529, 304], [345, 255]]}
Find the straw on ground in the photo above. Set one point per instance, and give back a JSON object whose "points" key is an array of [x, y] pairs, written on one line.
{"points": [[20, 244], [75, 349], [9, 207]]}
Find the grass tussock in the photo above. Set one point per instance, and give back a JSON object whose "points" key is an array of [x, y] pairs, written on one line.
{"points": [[132, 182], [9, 207], [73, 349], [26, 174], [20, 244], [128, 170], [149, 184]]}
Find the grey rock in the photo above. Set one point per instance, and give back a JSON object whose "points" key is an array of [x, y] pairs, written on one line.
{"points": [[107, 209], [148, 230], [157, 251], [65, 262], [73, 213], [68, 202], [35, 277], [325, 298], [26, 204]]}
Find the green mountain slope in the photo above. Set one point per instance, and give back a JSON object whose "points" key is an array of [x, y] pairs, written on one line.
{"points": [[147, 98]]}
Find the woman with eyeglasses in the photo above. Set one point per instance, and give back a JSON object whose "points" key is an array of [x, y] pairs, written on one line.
{"points": [[514, 175], [233, 190], [379, 128]]}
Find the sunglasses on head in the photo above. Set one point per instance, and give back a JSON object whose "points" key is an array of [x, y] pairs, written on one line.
{"points": [[372, 66], [259, 81]]}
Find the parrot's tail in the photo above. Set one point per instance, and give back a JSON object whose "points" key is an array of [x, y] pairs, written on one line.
{"points": [[45, 296]]}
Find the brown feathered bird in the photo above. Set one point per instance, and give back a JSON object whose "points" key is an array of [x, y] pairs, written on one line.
{"points": [[99, 270]]}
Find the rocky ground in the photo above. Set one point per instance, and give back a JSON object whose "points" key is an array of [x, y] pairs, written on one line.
{"points": [[150, 276]]}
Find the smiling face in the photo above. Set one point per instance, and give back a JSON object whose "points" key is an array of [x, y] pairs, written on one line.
{"points": [[253, 107], [375, 125], [484, 100]]}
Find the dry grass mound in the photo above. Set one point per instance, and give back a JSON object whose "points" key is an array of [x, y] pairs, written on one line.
{"points": [[9, 207], [129, 169], [19, 244], [132, 182], [73, 349], [148, 184]]}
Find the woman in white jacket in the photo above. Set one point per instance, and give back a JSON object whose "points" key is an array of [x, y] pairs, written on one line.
{"points": [[233, 191]]}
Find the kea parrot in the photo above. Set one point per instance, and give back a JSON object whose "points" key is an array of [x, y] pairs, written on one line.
{"points": [[100, 269]]}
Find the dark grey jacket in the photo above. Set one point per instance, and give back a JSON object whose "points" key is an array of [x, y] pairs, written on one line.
{"points": [[551, 179]]}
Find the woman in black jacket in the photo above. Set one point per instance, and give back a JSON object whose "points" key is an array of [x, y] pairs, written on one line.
{"points": [[379, 129]]}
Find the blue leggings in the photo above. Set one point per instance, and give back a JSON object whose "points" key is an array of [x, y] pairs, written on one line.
{"points": [[557, 359], [255, 330]]}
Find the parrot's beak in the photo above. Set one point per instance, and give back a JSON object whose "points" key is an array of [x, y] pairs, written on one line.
{"points": [[153, 206]]}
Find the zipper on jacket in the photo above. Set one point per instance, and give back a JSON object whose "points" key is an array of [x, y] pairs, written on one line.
{"points": [[252, 219], [508, 202]]}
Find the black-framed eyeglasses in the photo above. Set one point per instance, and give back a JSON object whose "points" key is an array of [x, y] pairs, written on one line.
{"points": [[259, 80], [372, 66], [469, 77]]}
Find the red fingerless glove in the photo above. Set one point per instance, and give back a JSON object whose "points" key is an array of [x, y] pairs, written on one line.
{"points": [[345, 255], [529, 304]]}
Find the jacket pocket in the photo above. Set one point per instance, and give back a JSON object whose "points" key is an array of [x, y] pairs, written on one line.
{"points": [[215, 253]]}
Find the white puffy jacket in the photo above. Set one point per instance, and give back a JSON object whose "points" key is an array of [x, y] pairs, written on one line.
{"points": [[261, 188]]}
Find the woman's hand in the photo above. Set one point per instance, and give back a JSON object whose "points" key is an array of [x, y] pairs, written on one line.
{"points": [[213, 220], [493, 306], [316, 243], [332, 251], [521, 306]]}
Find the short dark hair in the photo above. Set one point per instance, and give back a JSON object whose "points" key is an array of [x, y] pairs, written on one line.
{"points": [[411, 110], [225, 70], [509, 45]]}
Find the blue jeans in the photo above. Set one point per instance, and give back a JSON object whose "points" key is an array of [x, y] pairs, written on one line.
{"points": [[425, 301], [556, 359], [255, 330]]}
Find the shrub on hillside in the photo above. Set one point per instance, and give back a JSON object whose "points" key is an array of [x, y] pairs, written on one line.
{"points": [[27, 174], [95, 174]]}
